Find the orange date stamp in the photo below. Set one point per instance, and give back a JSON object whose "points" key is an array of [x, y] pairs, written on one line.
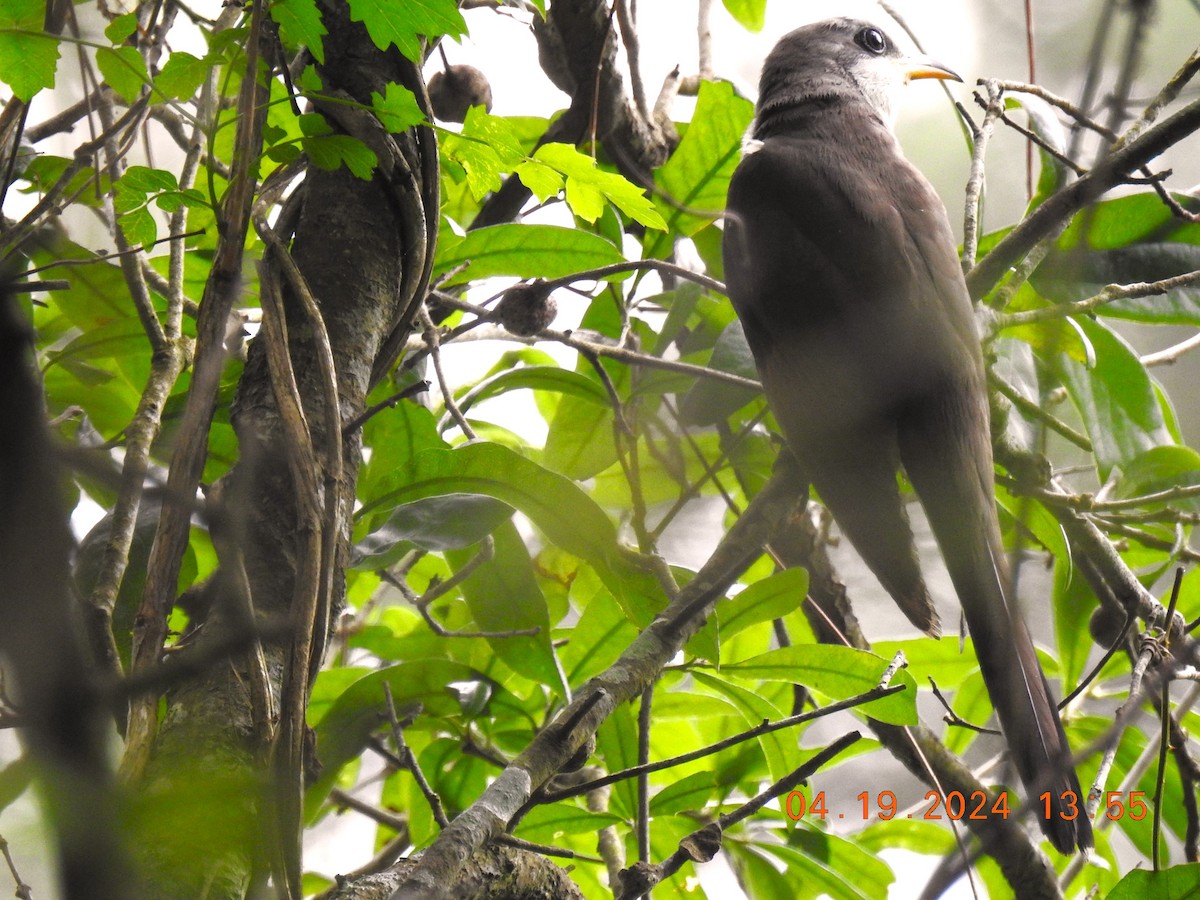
{"points": [[958, 806]]}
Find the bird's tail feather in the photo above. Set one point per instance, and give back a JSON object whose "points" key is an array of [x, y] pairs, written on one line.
{"points": [[954, 484]]}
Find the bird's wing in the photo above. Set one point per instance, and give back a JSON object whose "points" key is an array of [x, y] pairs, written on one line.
{"points": [[813, 282]]}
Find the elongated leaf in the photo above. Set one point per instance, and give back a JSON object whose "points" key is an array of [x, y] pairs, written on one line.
{"points": [[556, 505], [1126, 220], [1161, 469], [616, 744], [1116, 399], [770, 598], [448, 522], [836, 672], [525, 251], [360, 709], [1075, 276], [580, 443], [1177, 882], [545, 824], [503, 595], [539, 378], [709, 402], [688, 794], [696, 177], [779, 749], [597, 639], [834, 866]]}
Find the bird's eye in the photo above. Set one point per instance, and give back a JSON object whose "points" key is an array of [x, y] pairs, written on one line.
{"points": [[872, 40]]}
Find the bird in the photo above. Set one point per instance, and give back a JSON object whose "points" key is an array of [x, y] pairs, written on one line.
{"points": [[844, 272]]}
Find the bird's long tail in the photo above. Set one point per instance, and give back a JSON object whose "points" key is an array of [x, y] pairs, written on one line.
{"points": [[953, 479]]}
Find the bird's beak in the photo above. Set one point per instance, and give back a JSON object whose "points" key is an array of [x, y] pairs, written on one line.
{"points": [[923, 67]]}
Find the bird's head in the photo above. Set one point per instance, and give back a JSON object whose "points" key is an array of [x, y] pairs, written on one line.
{"points": [[841, 59]]}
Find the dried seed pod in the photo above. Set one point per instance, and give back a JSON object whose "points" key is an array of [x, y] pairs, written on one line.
{"points": [[527, 309], [456, 90], [1106, 625]]}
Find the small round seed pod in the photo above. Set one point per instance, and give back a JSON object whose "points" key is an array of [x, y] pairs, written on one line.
{"points": [[455, 90], [527, 309]]}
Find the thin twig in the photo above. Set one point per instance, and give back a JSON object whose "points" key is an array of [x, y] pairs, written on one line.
{"points": [[439, 589], [24, 891], [732, 741], [623, 354], [703, 845], [1107, 295], [1038, 412], [409, 761], [993, 108], [432, 341]]}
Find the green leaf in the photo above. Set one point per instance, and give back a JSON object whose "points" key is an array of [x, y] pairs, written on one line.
{"points": [[556, 505], [688, 794], [182, 75], [449, 522], [1073, 276], [709, 401], [121, 28], [27, 61], [770, 598], [538, 378], [403, 23], [541, 179], [833, 866], [139, 226], [763, 879], [479, 160], [1073, 605], [497, 132], [300, 25], [547, 824], [148, 180], [617, 745], [837, 672], [503, 595], [696, 177], [397, 108], [395, 437], [330, 151], [1161, 469], [124, 70], [780, 751], [360, 709], [750, 14], [597, 639], [580, 442], [1122, 221], [1116, 399], [15, 779], [582, 174], [525, 251], [1044, 122], [907, 834], [1176, 883]]}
